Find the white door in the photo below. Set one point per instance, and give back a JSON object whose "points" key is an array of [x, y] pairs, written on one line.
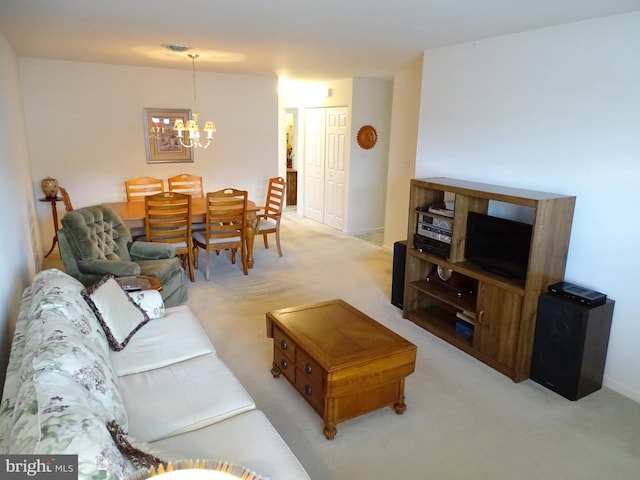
{"points": [[314, 160], [335, 167]]}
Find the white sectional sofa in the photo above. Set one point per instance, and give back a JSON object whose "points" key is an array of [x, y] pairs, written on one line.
{"points": [[167, 388]]}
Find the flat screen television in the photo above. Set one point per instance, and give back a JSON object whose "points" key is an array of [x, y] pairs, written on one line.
{"points": [[498, 245]]}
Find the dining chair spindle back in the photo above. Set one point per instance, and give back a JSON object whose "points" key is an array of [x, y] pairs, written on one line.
{"points": [[270, 214], [190, 185], [168, 220], [66, 200], [186, 183], [226, 211], [140, 187]]}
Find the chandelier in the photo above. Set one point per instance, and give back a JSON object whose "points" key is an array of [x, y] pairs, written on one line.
{"points": [[193, 139]]}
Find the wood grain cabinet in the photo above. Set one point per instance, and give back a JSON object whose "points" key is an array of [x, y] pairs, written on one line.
{"points": [[292, 187], [500, 312]]}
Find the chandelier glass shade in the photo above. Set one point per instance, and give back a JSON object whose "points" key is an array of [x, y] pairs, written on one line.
{"points": [[189, 134]]}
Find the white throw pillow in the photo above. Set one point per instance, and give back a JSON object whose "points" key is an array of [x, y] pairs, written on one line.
{"points": [[118, 314], [150, 301]]}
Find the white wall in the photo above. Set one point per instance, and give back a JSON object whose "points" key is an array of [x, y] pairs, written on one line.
{"points": [[18, 244], [371, 105], [85, 124], [402, 150], [557, 110]]}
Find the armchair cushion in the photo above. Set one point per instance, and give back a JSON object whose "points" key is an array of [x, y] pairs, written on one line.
{"points": [[118, 314], [151, 250], [97, 232], [118, 268]]}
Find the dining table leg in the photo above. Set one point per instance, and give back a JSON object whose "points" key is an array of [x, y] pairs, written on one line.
{"points": [[250, 232]]}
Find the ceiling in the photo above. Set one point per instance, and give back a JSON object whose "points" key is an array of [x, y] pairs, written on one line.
{"points": [[299, 39]]}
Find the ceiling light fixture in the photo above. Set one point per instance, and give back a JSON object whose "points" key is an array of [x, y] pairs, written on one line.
{"points": [[192, 125], [176, 48]]}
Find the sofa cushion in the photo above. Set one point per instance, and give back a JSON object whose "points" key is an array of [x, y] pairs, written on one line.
{"points": [[12, 379], [118, 314], [182, 397], [173, 338], [61, 347], [50, 288], [58, 416], [150, 301], [64, 335], [57, 293], [266, 453]]}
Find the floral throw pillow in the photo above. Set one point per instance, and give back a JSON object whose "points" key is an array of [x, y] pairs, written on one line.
{"points": [[118, 314], [150, 301]]}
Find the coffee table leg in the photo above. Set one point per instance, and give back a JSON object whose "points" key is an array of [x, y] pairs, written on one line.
{"points": [[330, 431], [400, 406]]}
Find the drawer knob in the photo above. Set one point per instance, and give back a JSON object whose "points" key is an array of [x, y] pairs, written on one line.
{"points": [[283, 364], [307, 368], [283, 344], [307, 390]]}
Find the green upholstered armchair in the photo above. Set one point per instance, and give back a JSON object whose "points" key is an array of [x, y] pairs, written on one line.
{"points": [[95, 241]]}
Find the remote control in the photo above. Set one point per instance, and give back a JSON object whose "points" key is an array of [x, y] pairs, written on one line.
{"points": [[131, 288]]}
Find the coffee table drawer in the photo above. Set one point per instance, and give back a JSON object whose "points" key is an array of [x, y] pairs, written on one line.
{"points": [[282, 342], [312, 394], [284, 364], [308, 369]]}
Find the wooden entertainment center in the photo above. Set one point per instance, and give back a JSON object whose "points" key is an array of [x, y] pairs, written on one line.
{"points": [[500, 311]]}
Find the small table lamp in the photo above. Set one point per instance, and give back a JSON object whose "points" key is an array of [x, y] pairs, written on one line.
{"points": [[195, 474], [200, 470]]}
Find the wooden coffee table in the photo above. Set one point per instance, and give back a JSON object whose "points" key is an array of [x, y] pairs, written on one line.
{"points": [[343, 362]]}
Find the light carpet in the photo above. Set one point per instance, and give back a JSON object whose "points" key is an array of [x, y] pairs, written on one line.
{"points": [[463, 419]]}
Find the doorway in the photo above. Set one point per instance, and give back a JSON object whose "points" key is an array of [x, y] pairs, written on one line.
{"points": [[325, 165], [291, 141]]}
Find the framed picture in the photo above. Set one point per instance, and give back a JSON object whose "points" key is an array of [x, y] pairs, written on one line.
{"points": [[161, 139]]}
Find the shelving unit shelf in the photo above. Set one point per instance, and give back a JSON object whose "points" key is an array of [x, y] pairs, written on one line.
{"points": [[499, 311]]}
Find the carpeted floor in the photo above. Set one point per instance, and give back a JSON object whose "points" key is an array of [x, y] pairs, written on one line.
{"points": [[463, 419]]}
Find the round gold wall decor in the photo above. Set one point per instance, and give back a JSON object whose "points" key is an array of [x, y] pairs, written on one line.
{"points": [[367, 137]]}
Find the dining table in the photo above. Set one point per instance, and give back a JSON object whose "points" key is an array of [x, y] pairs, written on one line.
{"points": [[133, 215]]}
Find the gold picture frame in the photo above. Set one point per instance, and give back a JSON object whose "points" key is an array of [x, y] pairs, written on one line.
{"points": [[161, 140]]}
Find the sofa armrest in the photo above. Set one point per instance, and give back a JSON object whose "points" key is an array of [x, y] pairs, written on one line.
{"points": [[151, 250], [119, 268]]}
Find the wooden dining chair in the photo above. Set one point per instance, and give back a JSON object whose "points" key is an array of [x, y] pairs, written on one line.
{"points": [[226, 211], [190, 185], [186, 183], [140, 187], [66, 200], [269, 215], [168, 220], [137, 189]]}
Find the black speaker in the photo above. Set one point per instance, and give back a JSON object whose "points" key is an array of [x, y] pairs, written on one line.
{"points": [[570, 345], [397, 279]]}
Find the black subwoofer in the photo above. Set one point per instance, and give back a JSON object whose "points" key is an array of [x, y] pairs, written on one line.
{"points": [[397, 280], [570, 345]]}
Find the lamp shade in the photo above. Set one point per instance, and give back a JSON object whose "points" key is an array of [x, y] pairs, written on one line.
{"points": [[195, 474]]}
